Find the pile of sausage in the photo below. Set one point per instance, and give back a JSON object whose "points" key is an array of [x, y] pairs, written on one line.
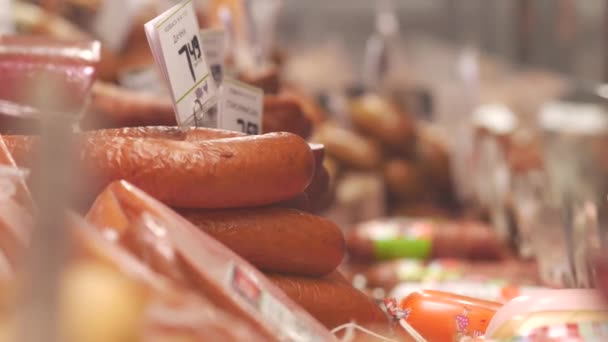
{"points": [[377, 142], [231, 195]]}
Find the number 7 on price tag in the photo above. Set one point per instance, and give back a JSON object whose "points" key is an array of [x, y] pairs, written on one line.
{"points": [[175, 43]]}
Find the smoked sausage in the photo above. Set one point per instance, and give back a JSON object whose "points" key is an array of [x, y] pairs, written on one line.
{"points": [[224, 173], [394, 238], [330, 300], [275, 239]]}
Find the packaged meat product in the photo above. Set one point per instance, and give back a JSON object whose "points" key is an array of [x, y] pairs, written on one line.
{"points": [[330, 300], [551, 307], [171, 312], [275, 239], [199, 174], [392, 238], [439, 316], [207, 266], [28, 63], [381, 120]]}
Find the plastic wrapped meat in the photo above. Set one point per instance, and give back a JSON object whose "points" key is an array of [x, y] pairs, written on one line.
{"points": [[166, 310], [35, 67], [194, 174], [174, 247]]}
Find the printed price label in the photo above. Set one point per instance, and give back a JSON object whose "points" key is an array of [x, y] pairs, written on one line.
{"points": [[114, 21], [174, 39], [214, 48], [241, 107], [7, 24], [273, 311]]}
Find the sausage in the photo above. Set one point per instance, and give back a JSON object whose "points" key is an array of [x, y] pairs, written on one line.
{"points": [[440, 316], [205, 174], [114, 106], [267, 79], [349, 147], [422, 239], [210, 268], [331, 301], [275, 239], [403, 180], [283, 113], [192, 134], [381, 120]]}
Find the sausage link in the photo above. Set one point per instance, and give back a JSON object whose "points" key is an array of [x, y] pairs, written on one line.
{"points": [[275, 239], [225, 173], [331, 301]]}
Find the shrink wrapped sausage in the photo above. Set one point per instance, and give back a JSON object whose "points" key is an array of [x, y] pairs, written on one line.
{"points": [[330, 300], [408, 238], [200, 174], [274, 239], [439, 316], [68, 68], [172, 312], [201, 262]]}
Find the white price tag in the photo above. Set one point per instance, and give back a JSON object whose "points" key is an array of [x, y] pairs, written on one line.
{"points": [[174, 39], [241, 107], [214, 48], [7, 23], [114, 21]]}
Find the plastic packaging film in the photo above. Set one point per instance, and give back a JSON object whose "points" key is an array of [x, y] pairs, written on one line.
{"points": [[212, 270]]}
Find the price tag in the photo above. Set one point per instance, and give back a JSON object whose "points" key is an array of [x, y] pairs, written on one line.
{"points": [[7, 24], [241, 107], [174, 39], [214, 48]]}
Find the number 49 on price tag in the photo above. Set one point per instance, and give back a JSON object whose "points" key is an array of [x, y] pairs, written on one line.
{"points": [[174, 40]]}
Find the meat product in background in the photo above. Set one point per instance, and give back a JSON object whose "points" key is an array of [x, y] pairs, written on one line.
{"points": [[274, 239], [205, 265], [283, 113], [115, 106], [394, 238], [381, 120], [348, 147], [205, 174]]}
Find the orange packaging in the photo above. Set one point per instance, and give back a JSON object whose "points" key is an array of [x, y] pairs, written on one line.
{"points": [[441, 316]]}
